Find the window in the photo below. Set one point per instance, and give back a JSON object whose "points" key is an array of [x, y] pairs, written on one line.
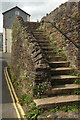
{"points": [[17, 13]]}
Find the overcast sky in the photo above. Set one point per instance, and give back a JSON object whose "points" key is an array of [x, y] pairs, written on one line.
{"points": [[36, 8]]}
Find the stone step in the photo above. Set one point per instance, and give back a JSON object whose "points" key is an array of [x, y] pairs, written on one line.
{"points": [[61, 70], [56, 101], [40, 37], [47, 48], [57, 64], [44, 44], [43, 41], [63, 89], [39, 34], [50, 52], [38, 31], [63, 79], [55, 58]]}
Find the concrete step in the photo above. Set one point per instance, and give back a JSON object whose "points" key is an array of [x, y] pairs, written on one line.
{"points": [[63, 79], [61, 70], [56, 101], [56, 64], [63, 89]]}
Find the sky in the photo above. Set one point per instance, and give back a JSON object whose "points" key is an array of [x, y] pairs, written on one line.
{"points": [[36, 8]]}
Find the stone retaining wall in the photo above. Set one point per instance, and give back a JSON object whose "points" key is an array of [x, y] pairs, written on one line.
{"points": [[67, 19], [27, 57]]}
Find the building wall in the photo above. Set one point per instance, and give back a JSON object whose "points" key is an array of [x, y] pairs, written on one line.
{"points": [[1, 40], [7, 40], [4, 40], [8, 17]]}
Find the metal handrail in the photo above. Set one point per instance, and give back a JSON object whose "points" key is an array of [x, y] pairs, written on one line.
{"points": [[63, 33]]}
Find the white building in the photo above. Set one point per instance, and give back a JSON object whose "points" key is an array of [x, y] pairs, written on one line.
{"points": [[1, 40], [8, 17]]}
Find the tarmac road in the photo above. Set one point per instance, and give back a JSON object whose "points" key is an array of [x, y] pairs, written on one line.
{"points": [[6, 108]]}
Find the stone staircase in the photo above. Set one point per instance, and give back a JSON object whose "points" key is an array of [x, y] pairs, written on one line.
{"points": [[62, 92]]}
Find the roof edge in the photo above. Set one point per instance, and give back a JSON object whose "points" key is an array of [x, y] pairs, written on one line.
{"points": [[14, 8]]}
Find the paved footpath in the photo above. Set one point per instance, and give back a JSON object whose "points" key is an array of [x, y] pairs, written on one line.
{"points": [[8, 111]]}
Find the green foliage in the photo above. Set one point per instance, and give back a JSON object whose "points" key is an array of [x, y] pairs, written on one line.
{"points": [[25, 99], [16, 31], [54, 43], [23, 75], [23, 35], [54, 110], [74, 73], [33, 114], [77, 92], [52, 39], [40, 28], [41, 89], [70, 108], [65, 108], [77, 81], [31, 110], [60, 52], [14, 79]]}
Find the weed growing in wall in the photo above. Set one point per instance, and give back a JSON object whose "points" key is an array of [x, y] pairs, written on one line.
{"points": [[41, 89], [16, 30], [24, 98], [31, 110], [15, 82], [63, 109], [51, 37]]}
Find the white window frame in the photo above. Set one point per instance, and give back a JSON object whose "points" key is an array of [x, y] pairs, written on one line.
{"points": [[17, 12]]}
